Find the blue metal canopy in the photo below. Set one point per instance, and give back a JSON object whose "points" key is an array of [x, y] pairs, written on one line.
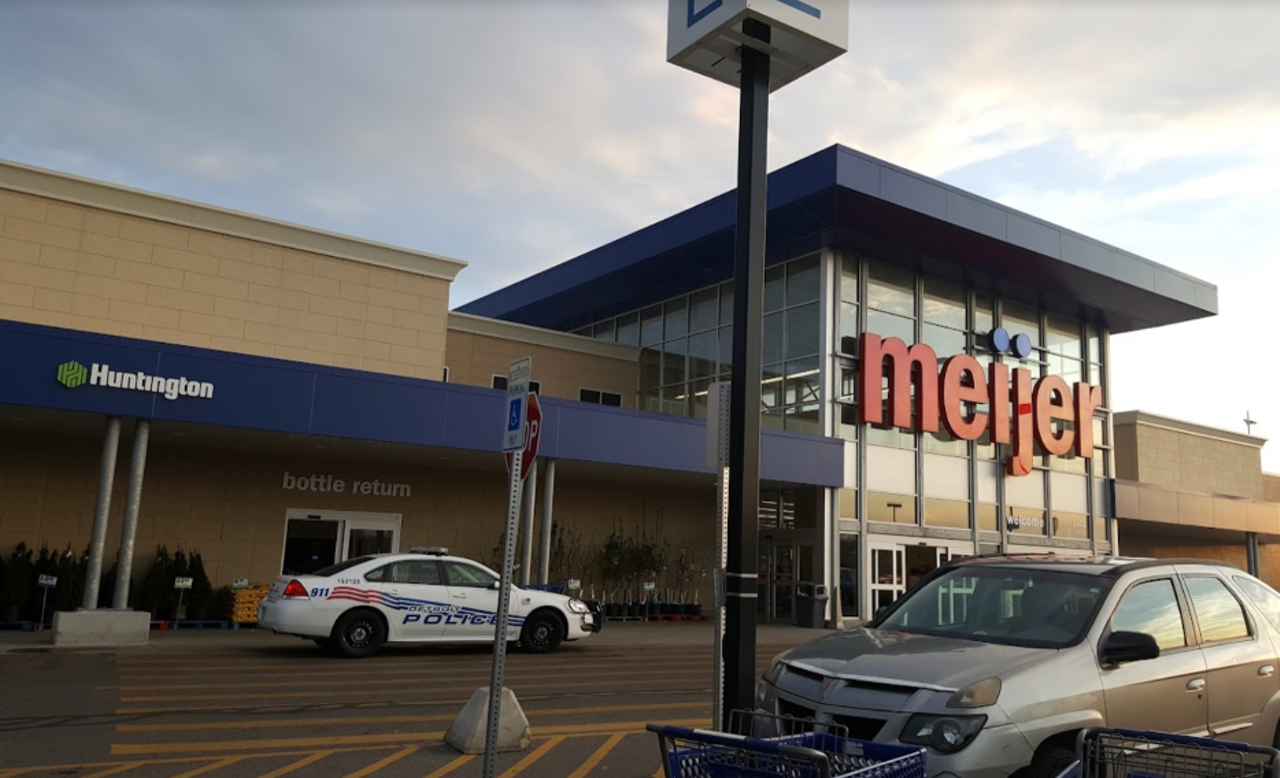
{"points": [[843, 199]]}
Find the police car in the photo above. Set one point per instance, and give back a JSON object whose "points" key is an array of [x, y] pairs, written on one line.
{"points": [[425, 596]]}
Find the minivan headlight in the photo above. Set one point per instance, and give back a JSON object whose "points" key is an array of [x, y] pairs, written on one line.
{"points": [[944, 734], [976, 695]]}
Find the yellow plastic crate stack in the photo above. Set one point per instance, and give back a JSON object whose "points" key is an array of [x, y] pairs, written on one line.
{"points": [[245, 607]]}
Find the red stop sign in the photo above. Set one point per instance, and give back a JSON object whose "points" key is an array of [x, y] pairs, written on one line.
{"points": [[532, 427]]}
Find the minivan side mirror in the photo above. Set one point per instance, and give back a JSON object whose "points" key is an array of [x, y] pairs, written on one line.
{"points": [[1121, 647]]}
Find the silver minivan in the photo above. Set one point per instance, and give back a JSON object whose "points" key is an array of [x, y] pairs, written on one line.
{"points": [[996, 663]]}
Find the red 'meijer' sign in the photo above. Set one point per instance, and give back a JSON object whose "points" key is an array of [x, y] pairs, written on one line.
{"points": [[942, 394]]}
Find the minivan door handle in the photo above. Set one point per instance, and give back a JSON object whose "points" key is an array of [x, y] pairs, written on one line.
{"points": [[1195, 685], [1266, 671]]}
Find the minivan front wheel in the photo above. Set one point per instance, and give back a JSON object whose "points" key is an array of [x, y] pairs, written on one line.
{"points": [[1049, 762]]}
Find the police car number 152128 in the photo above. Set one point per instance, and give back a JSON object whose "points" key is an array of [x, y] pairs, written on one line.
{"points": [[355, 606]]}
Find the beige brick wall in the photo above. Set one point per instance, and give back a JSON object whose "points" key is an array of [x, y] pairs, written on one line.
{"points": [[1271, 487], [230, 504], [1143, 542], [72, 266], [1187, 462], [475, 359]]}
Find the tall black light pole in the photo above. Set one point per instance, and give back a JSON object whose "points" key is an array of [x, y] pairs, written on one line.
{"points": [[741, 584], [757, 46]]}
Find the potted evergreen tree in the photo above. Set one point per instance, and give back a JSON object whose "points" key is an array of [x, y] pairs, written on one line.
{"points": [[15, 589]]}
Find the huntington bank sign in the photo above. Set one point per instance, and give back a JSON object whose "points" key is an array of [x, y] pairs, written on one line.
{"points": [[74, 375], [946, 395]]}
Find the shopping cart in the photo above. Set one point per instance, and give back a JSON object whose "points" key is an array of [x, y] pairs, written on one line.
{"points": [[1125, 753], [798, 748]]}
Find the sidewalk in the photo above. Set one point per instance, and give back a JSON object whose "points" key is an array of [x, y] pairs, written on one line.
{"points": [[222, 640]]}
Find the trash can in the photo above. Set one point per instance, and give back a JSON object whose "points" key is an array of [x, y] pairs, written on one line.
{"points": [[811, 605]]}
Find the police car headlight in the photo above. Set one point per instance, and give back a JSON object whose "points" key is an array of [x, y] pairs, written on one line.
{"points": [[578, 606]]}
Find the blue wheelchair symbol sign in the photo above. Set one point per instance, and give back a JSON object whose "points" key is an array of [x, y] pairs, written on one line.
{"points": [[513, 421]]}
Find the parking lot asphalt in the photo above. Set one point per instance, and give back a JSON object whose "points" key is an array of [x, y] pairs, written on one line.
{"points": [[248, 704]]}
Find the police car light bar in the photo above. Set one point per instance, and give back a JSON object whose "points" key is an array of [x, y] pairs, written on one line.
{"points": [[432, 550]]}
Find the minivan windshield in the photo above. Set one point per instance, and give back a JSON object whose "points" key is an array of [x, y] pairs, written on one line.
{"points": [[1030, 607]]}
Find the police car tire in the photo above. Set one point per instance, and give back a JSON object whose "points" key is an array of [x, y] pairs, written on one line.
{"points": [[543, 632], [358, 633]]}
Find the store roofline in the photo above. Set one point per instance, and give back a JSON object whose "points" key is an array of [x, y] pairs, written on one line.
{"points": [[26, 179], [537, 336], [841, 198], [1148, 419]]}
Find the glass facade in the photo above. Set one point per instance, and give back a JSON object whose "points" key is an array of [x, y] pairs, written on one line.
{"points": [[952, 319], [687, 343], [927, 484]]}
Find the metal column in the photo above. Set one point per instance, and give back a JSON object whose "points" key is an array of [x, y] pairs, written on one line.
{"points": [[132, 502], [102, 512], [1251, 551], [530, 497], [548, 499], [741, 589]]}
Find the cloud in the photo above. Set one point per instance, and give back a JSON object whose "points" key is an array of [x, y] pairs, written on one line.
{"points": [[517, 135]]}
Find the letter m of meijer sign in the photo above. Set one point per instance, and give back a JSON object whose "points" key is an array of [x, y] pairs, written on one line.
{"points": [[1052, 415], [72, 374]]}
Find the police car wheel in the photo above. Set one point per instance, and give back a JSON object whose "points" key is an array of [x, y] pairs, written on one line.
{"points": [[358, 633], [542, 633]]}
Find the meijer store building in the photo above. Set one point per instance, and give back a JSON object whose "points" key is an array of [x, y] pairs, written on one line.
{"points": [[936, 384]]}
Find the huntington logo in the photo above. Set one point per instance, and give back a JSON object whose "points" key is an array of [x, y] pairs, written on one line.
{"points": [[72, 374]]}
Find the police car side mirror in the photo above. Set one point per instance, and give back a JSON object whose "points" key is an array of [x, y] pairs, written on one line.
{"points": [[496, 585]]}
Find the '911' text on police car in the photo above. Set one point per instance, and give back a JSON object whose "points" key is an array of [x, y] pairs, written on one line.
{"points": [[353, 607]]}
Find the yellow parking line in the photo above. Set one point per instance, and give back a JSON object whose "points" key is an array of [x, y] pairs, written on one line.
{"points": [[63, 768], [218, 765], [402, 738], [538, 753], [298, 765], [361, 692], [600, 753], [120, 768], [322, 721], [383, 762], [400, 681], [416, 668], [454, 765]]}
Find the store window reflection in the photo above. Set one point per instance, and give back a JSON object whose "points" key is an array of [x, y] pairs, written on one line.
{"points": [[891, 508], [849, 565]]}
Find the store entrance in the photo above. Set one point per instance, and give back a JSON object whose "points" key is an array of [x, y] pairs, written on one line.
{"points": [[316, 539], [896, 567], [784, 562]]}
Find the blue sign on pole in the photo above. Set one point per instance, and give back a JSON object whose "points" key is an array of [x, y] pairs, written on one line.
{"points": [[517, 388]]}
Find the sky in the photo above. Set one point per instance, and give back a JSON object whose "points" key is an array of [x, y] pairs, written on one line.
{"points": [[517, 134]]}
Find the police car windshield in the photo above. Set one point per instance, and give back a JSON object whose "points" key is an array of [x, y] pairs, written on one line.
{"points": [[1030, 607], [341, 566]]}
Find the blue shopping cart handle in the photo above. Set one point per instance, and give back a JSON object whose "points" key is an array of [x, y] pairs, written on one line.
{"points": [[729, 740], [1165, 737]]}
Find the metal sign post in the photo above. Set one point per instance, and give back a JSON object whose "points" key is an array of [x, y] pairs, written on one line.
{"points": [[718, 456], [513, 442], [181, 584], [46, 582]]}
